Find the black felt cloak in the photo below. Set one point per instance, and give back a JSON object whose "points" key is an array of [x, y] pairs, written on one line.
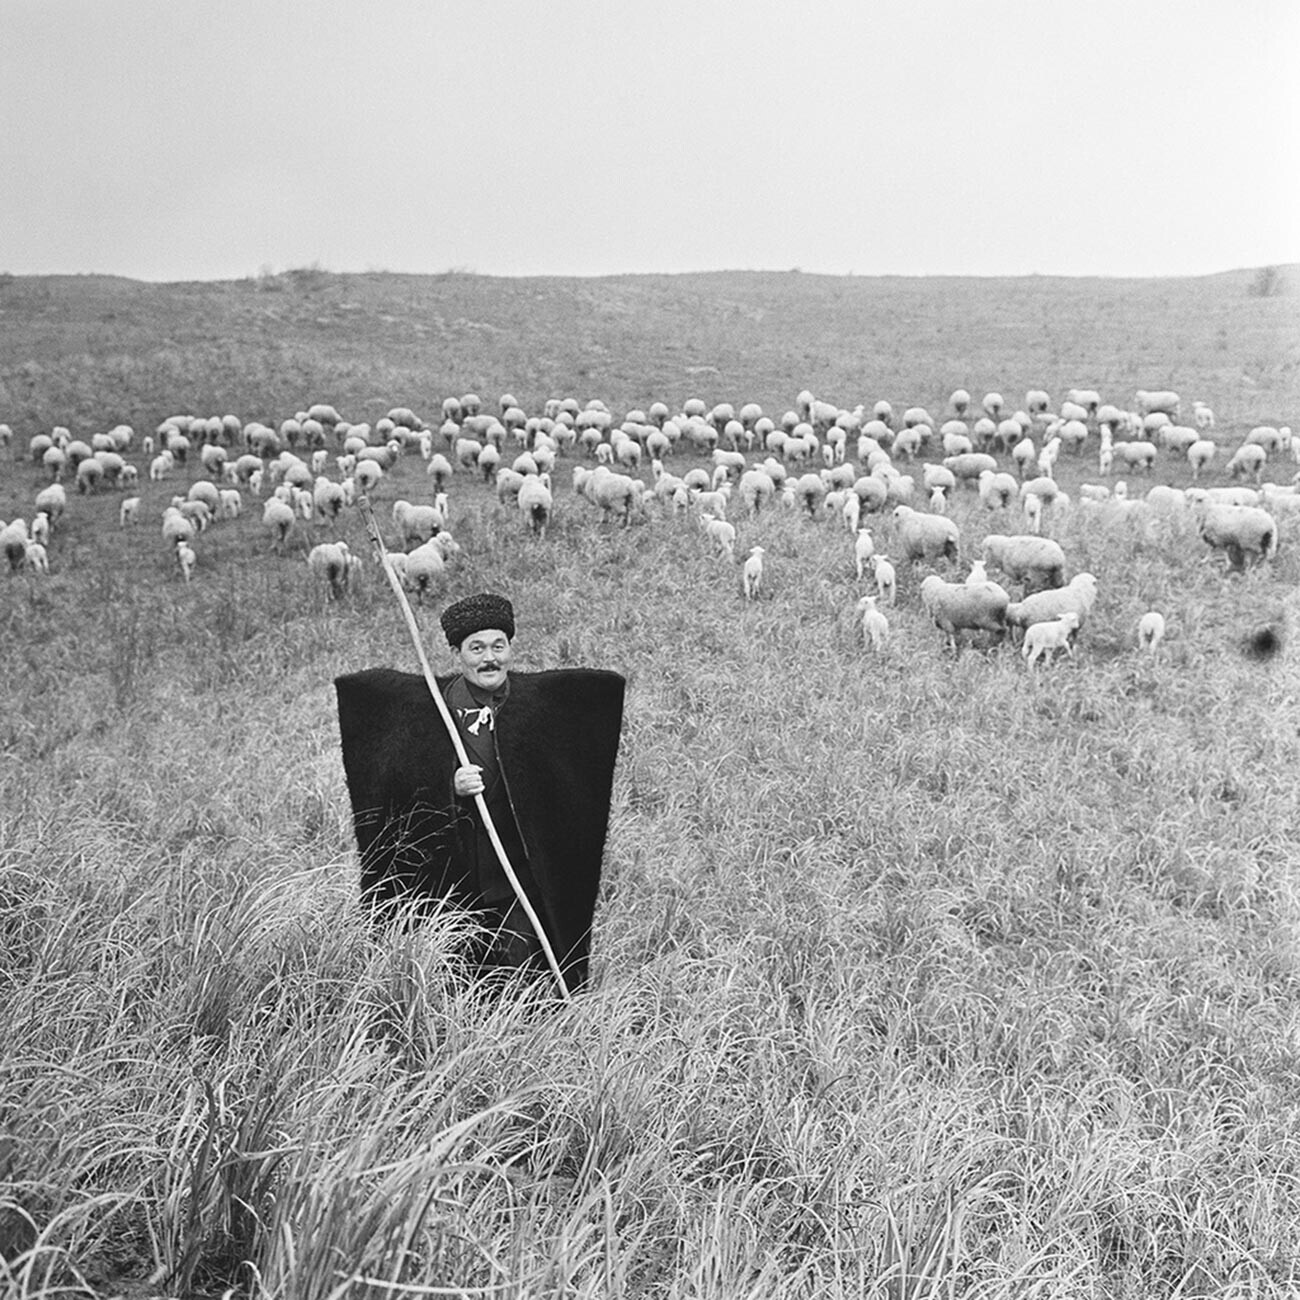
{"points": [[557, 737]]}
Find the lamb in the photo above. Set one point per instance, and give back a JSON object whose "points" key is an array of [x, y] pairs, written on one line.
{"points": [[863, 549], [129, 511], [956, 607], [721, 533], [886, 578], [536, 503], [37, 558], [1077, 597], [1048, 637], [334, 562], [1037, 562], [185, 559], [1033, 510], [875, 626], [752, 574], [41, 528], [1239, 530], [1151, 631], [925, 537]]}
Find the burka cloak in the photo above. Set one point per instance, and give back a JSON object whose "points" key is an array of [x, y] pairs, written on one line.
{"points": [[557, 739]]}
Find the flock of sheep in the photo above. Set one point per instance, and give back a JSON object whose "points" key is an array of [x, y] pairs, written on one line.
{"points": [[844, 466]]}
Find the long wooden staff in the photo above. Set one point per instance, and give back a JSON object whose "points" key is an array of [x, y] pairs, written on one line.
{"points": [[372, 527]]}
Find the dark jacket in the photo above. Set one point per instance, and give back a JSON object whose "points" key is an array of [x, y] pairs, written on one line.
{"points": [[557, 739]]}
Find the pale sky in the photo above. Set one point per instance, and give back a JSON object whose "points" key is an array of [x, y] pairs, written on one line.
{"points": [[206, 139]]}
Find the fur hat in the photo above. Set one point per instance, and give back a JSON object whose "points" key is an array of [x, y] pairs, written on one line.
{"points": [[477, 614]]}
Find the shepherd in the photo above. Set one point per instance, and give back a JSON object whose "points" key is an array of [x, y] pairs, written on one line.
{"points": [[507, 818]]}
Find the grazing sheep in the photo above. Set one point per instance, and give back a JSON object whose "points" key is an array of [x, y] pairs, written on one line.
{"points": [[1250, 459], [925, 537], [1036, 562], [998, 489], [875, 626], [536, 503], [993, 405], [1159, 401], [752, 574], [956, 607], [41, 528], [1241, 531], [970, 465], [1048, 637], [756, 489], [1024, 453], [1136, 455], [1151, 631], [424, 568], [37, 558], [416, 523], [129, 511], [610, 491], [277, 517], [13, 542], [177, 527], [863, 549], [959, 401], [721, 534], [186, 559], [334, 562], [1077, 597], [886, 578], [1199, 455]]}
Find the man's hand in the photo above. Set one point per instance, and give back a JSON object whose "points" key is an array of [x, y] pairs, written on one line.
{"points": [[468, 780]]}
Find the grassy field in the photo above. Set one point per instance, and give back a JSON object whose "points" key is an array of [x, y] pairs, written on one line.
{"points": [[916, 975]]}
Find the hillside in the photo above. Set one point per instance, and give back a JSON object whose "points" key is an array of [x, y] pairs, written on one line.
{"points": [[90, 351]]}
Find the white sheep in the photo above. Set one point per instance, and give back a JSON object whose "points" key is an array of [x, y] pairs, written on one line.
{"points": [[978, 574], [752, 574], [863, 549], [36, 557], [1241, 531], [925, 537], [1202, 416], [1160, 401], [1077, 597], [332, 561], [414, 523], [1048, 637], [1033, 510], [1136, 455], [1199, 455], [886, 577], [1151, 631], [536, 502], [13, 542], [875, 626], [851, 511], [129, 511], [1249, 458], [957, 607], [277, 518], [1037, 562], [41, 528], [970, 465], [185, 559], [997, 489], [424, 567], [721, 534]]}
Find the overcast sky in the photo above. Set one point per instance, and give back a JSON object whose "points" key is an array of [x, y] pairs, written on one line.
{"points": [[187, 139]]}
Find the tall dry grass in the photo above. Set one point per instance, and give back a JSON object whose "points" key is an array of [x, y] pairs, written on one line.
{"points": [[915, 976]]}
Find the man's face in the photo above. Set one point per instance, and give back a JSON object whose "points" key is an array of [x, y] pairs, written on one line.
{"points": [[484, 657]]}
